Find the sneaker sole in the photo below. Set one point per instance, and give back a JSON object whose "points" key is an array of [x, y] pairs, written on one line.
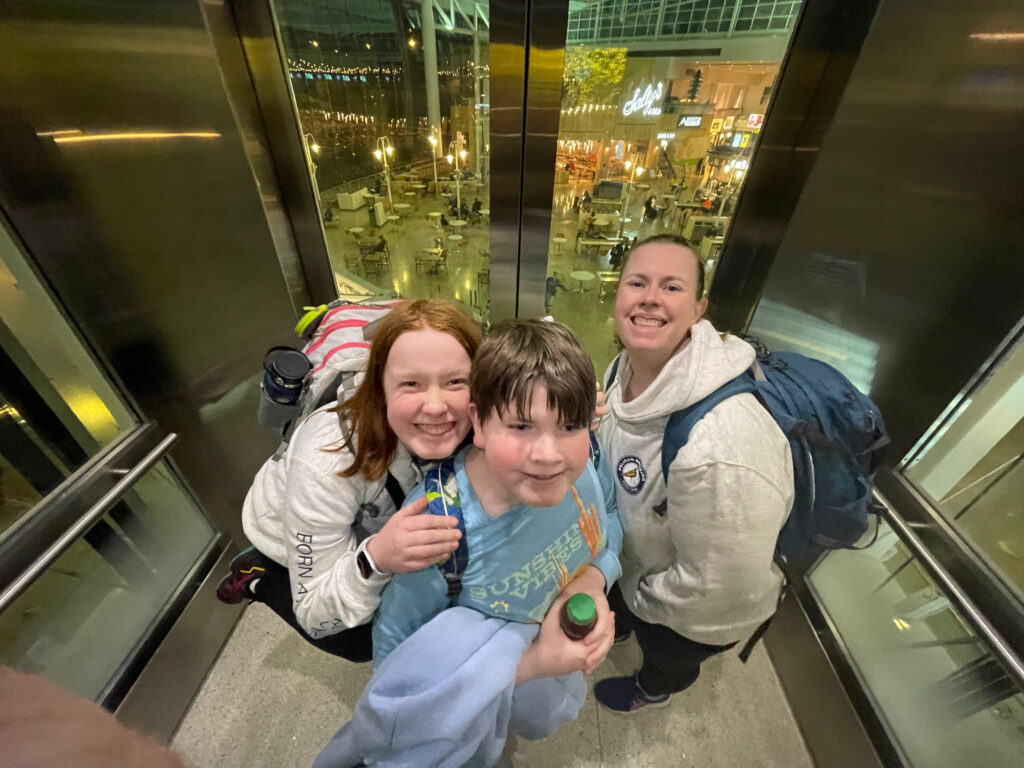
{"points": [[652, 705]]}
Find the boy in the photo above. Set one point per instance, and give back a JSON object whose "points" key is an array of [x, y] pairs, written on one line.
{"points": [[531, 403], [540, 520]]}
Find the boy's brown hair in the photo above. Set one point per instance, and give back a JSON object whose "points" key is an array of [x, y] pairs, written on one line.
{"points": [[364, 416], [518, 354]]}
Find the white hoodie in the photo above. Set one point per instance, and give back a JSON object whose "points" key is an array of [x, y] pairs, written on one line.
{"points": [[301, 514], [702, 565]]}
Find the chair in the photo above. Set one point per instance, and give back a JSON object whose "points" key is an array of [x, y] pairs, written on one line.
{"points": [[373, 265], [423, 260], [442, 262], [483, 277]]}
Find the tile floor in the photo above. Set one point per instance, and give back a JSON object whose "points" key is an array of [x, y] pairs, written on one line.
{"points": [[272, 701], [588, 314]]}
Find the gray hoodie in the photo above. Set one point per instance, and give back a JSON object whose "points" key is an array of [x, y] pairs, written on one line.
{"points": [[697, 557]]}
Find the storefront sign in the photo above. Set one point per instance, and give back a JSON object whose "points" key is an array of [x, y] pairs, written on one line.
{"points": [[754, 121], [667, 135], [646, 100], [745, 140], [716, 125], [728, 123], [690, 121]]}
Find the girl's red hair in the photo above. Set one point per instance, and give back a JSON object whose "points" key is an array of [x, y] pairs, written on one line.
{"points": [[364, 416]]}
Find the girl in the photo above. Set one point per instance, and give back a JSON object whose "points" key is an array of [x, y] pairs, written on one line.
{"points": [[324, 527], [697, 570]]}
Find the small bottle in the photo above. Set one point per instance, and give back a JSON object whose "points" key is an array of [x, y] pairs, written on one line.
{"points": [[578, 616]]}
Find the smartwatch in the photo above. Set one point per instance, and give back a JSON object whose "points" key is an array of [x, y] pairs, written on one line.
{"points": [[364, 562]]}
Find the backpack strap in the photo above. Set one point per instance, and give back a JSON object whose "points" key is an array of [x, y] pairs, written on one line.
{"points": [[611, 374], [394, 489], [595, 450], [442, 491], [677, 431]]}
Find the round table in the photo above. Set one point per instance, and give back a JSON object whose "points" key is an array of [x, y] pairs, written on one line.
{"points": [[485, 211], [410, 194], [458, 223], [559, 241], [582, 276], [602, 221], [356, 230], [392, 217], [644, 187], [455, 238], [401, 207]]}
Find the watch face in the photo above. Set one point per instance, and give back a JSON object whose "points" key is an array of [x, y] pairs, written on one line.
{"points": [[364, 565]]}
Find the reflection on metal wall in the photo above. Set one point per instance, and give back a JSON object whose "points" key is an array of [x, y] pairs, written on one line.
{"points": [[905, 247], [122, 171]]}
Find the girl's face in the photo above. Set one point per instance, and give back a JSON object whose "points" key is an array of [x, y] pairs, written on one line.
{"points": [[426, 388]]}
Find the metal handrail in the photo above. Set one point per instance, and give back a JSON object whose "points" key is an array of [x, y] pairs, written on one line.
{"points": [[998, 646], [32, 572]]}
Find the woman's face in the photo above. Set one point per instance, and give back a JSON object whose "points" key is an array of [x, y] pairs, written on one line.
{"points": [[426, 388], [656, 304]]}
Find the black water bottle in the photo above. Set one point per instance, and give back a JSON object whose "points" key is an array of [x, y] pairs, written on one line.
{"points": [[284, 370]]}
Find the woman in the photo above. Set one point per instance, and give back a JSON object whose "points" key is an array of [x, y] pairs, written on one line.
{"points": [[697, 570], [325, 530]]}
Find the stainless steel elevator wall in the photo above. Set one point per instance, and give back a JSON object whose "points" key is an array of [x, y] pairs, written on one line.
{"points": [[123, 173]]}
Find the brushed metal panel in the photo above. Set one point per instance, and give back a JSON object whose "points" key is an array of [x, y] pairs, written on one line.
{"points": [[158, 247], [278, 118], [508, 94], [917, 192], [548, 22], [227, 38], [811, 81]]}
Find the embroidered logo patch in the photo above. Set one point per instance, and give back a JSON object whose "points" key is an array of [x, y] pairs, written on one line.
{"points": [[632, 474]]}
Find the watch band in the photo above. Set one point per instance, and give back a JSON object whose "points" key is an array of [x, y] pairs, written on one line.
{"points": [[364, 560], [363, 563]]}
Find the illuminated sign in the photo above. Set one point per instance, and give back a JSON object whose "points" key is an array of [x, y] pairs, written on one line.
{"points": [[667, 135], [716, 125], [728, 123], [647, 100], [745, 140], [690, 121], [754, 121]]}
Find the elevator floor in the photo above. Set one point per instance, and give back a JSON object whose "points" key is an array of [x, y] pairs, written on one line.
{"points": [[272, 700]]}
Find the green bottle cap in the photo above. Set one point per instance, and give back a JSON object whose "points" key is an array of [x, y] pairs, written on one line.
{"points": [[581, 609]]}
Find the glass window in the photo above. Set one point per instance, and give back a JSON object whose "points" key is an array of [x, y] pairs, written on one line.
{"points": [[944, 699], [80, 620], [56, 408], [396, 127], [971, 466], [651, 144]]}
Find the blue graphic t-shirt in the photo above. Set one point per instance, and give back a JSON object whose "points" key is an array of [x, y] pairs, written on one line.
{"points": [[518, 562]]}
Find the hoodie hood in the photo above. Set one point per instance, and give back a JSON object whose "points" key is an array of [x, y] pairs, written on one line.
{"points": [[707, 360]]}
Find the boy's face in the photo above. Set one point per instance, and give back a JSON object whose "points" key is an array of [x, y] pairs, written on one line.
{"points": [[531, 460]]}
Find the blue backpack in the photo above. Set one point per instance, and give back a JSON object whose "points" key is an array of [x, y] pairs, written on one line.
{"points": [[835, 433]]}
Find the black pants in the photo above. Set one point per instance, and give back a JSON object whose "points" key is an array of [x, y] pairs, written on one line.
{"points": [[274, 591], [671, 661]]}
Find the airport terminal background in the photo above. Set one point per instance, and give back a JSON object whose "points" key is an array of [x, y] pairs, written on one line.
{"points": [[178, 180]]}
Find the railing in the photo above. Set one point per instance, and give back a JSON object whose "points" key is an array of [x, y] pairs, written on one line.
{"points": [[1000, 649]]}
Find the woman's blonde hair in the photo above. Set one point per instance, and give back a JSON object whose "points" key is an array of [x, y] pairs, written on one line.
{"points": [[363, 416]]}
